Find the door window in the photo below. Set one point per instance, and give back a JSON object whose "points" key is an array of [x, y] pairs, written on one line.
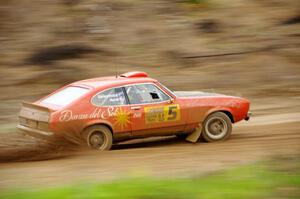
{"points": [[111, 97], [145, 93]]}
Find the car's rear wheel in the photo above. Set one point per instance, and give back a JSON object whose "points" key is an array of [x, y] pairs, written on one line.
{"points": [[216, 127], [98, 137]]}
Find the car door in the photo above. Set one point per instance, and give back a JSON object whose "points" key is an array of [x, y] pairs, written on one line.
{"points": [[153, 112]]}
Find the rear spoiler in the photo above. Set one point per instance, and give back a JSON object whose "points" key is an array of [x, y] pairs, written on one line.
{"points": [[34, 106], [34, 112]]}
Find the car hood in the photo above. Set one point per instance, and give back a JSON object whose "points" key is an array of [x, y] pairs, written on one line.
{"points": [[195, 94]]}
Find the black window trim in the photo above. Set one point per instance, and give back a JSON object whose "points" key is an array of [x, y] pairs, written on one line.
{"points": [[126, 96]]}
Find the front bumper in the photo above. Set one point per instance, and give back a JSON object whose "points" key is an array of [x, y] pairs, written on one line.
{"points": [[249, 114], [34, 131]]}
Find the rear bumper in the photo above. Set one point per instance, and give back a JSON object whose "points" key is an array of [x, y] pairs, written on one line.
{"points": [[34, 131], [249, 114]]}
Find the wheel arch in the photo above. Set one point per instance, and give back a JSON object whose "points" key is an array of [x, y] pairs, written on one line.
{"points": [[225, 111], [99, 123], [229, 114]]}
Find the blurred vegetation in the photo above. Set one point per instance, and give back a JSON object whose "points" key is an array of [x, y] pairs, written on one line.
{"points": [[262, 180]]}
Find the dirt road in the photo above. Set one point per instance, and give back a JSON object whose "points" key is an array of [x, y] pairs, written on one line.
{"points": [[264, 135]]}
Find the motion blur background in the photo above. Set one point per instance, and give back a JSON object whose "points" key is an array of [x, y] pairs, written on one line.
{"points": [[47, 44], [248, 48]]}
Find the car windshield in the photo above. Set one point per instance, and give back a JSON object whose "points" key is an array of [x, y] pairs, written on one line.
{"points": [[65, 96], [170, 91]]}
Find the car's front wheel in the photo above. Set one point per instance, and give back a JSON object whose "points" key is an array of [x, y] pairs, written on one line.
{"points": [[216, 127], [98, 137]]}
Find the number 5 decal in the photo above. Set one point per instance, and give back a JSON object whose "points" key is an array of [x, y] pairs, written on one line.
{"points": [[162, 113], [172, 114]]}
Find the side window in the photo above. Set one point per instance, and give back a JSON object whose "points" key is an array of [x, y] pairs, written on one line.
{"points": [[111, 97], [145, 93]]}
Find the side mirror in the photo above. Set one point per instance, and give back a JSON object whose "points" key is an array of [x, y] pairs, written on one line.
{"points": [[171, 101]]}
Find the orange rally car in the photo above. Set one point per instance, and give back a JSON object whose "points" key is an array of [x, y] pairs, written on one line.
{"points": [[105, 110]]}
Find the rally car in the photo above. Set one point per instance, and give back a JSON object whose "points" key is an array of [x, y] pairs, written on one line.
{"points": [[103, 111]]}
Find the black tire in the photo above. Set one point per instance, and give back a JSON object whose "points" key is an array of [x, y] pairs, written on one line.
{"points": [[216, 127], [98, 137]]}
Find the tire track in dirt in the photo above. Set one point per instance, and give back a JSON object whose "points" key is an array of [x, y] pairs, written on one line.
{"points": [[15, 147]]}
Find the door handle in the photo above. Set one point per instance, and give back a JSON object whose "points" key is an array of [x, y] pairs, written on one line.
{"points": [[135, 108]]}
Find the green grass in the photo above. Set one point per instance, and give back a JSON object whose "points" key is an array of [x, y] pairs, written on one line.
{"points": [[252, 181]]}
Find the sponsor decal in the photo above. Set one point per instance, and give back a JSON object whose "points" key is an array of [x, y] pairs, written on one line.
{"points": [[162, 113], [137, 115], [122, 118], [68, 115]]}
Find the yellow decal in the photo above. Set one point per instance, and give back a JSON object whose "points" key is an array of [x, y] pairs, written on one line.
{"points": [[162, 113], [122, 118]]}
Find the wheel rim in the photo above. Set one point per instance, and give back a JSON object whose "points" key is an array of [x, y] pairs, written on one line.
{"points": [[216, 128], [96, 140]]}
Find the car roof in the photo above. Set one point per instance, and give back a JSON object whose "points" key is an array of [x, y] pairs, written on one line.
{"points": [[111, 81]]}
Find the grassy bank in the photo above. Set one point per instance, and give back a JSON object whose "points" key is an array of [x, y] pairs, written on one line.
{"points": [[252, 181]]}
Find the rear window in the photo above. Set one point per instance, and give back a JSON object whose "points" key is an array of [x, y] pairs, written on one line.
{"points": [[65, 96]]}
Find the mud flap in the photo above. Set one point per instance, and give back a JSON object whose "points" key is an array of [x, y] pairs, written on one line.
{"points": [[193, 137]]}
